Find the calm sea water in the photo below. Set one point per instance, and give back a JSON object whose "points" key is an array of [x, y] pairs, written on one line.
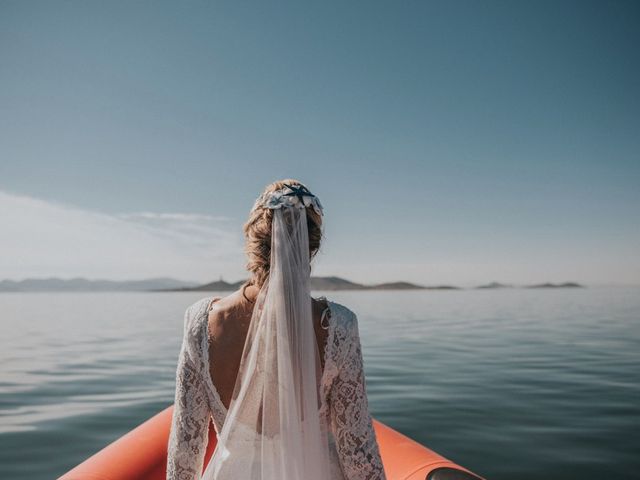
{"points": [[524, 384]]}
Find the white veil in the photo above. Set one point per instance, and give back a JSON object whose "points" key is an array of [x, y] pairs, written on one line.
{"points": [[273, 430]]}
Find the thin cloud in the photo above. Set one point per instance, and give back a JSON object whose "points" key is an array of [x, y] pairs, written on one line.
{"points": [[43, 238]]}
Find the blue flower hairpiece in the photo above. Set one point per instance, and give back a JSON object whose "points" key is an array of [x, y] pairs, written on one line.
{"points": [[292, 196]]}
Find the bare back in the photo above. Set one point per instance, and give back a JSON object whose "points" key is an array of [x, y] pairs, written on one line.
{"points": [[228, 324]]}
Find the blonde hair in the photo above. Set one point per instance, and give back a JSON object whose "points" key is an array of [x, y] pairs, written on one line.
{"points": [[257, 232]]}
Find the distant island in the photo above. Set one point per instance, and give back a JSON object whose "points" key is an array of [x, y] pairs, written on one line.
{"points": [[317, 283], [539, 285], [556, 285], [167, 284], [79, 284], [494, 285]]}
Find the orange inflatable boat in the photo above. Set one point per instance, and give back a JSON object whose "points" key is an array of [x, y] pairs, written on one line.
{"points": [[141, 454]]}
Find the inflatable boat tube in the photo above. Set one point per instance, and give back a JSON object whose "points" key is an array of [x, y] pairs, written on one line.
{"points": [[141, 454]]}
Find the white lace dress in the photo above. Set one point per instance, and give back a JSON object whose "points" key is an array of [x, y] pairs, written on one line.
{"points": [[354, 448]]}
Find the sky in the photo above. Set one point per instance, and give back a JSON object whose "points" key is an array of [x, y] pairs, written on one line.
{"points": [[452, 142]]}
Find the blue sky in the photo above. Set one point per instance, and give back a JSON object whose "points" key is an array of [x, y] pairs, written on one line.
{"points": [[450, 142]]}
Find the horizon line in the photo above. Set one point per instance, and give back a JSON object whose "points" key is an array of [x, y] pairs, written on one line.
{"points": [[432, 284]]}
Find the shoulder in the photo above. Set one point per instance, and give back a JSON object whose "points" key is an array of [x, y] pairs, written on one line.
{"points": [[345, 335], [343, 315], [194, 316], [196, 309]]}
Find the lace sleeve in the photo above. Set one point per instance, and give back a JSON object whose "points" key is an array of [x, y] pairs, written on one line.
{"points": [[190, 422], [350, 418]]}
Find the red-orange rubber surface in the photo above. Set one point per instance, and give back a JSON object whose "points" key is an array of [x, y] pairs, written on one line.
{"points": [[141, 454]]}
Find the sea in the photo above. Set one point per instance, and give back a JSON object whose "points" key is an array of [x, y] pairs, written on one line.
{"points": [[510, 383]]}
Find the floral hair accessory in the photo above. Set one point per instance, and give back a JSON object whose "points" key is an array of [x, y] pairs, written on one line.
{"points": [[292, 196]]}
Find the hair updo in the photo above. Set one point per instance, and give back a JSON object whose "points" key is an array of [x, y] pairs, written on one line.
{"points": [[257, 232]]}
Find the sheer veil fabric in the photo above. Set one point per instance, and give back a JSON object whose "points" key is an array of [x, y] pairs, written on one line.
{"points": [[273, 429]]}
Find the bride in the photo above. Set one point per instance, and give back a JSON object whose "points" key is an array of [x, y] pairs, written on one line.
{"points": [[279, 372]]}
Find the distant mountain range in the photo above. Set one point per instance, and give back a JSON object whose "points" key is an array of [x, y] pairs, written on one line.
{"points": [[557, 285], [538, 285], [79, 284], [319, 283]]}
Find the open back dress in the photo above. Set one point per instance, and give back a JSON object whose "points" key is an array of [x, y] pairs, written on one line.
{"points": [[353, 446]]}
